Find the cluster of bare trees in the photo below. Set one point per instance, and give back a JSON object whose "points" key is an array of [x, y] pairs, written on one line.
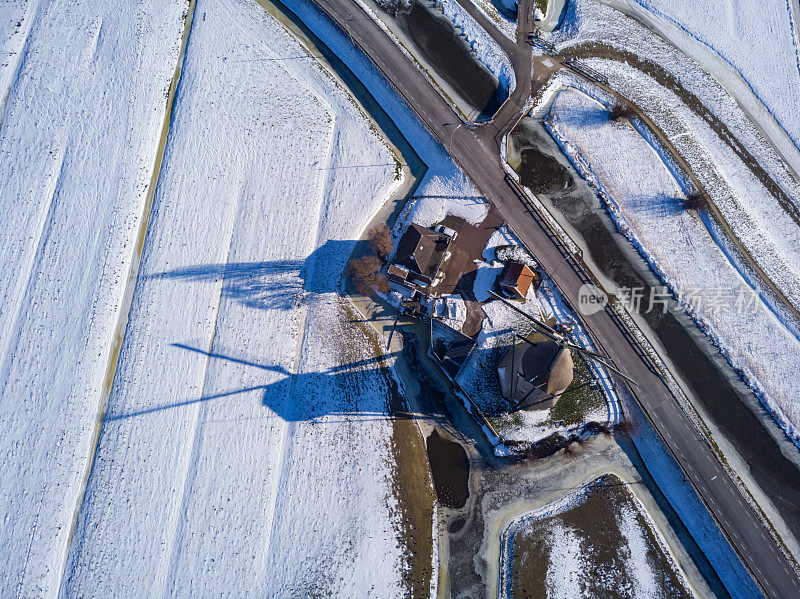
{"points": [[380, 240], [620, 110], [366, 273], [367, 276]]}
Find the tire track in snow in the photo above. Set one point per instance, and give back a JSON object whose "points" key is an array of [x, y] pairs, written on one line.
{"points": [[44, 230], [41, 240], [283, 448], [127, 297], [31, 17], [191, 465]]}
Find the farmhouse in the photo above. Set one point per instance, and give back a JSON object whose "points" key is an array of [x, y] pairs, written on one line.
{"points": [[419, 256]]}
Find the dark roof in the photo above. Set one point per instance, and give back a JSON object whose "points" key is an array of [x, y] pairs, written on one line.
{"points": [[533, 371], [451, 347], [456, 354], [397, 272], [537, 359], [421, 250]]}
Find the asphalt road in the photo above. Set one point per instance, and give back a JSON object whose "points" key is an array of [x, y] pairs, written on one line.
{"points": [[475, 150]]}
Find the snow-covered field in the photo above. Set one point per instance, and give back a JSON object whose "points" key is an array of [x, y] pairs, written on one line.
{"points": [[758, 39], [645, 200], [15, 19], [246, 436], [767, 229], [245, 448], [86, 86]]}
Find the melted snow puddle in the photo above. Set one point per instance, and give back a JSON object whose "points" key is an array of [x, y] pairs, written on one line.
{"points": [[449, 469]]}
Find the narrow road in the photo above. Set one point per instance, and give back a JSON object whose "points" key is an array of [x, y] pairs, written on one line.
{"points": [[476, 152], [520, 54]]}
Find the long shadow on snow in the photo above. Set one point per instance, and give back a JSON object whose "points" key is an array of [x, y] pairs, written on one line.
{"points": [[347, 389], [343, 389], [273, 284]]}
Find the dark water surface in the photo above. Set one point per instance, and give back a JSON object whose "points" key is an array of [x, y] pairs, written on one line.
{"points": [[437, 40], [449, 469], [730, 405]]}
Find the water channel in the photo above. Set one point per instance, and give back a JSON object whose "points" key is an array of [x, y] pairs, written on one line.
{"points": [[720, 394], [438, 44]]}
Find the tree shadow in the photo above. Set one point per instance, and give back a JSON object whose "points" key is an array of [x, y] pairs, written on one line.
{"points": [[585, 117], [274, 284], [658, 206]]}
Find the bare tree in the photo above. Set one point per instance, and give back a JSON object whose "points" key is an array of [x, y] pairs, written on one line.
{"points": [[380, 240], [620, 110], [695, 201], [623, 427], [366, 275]]}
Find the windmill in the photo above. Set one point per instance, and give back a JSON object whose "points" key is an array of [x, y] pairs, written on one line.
{"points": [[559, 339]]}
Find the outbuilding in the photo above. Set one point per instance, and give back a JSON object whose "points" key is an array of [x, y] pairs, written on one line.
{"points": [[515, 280]]}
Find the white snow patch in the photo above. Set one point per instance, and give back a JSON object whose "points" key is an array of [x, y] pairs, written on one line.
{"points": [[451, 310], [16, 17], [566, 563], [643, 198], [643, 575], [503, 236], [431, 207], [235, 426]]}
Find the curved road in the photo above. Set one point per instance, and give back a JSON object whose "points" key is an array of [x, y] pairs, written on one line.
{"points": [[475, 150]]}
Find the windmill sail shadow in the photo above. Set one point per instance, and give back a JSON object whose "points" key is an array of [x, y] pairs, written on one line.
{"points": [[338, 390]]}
